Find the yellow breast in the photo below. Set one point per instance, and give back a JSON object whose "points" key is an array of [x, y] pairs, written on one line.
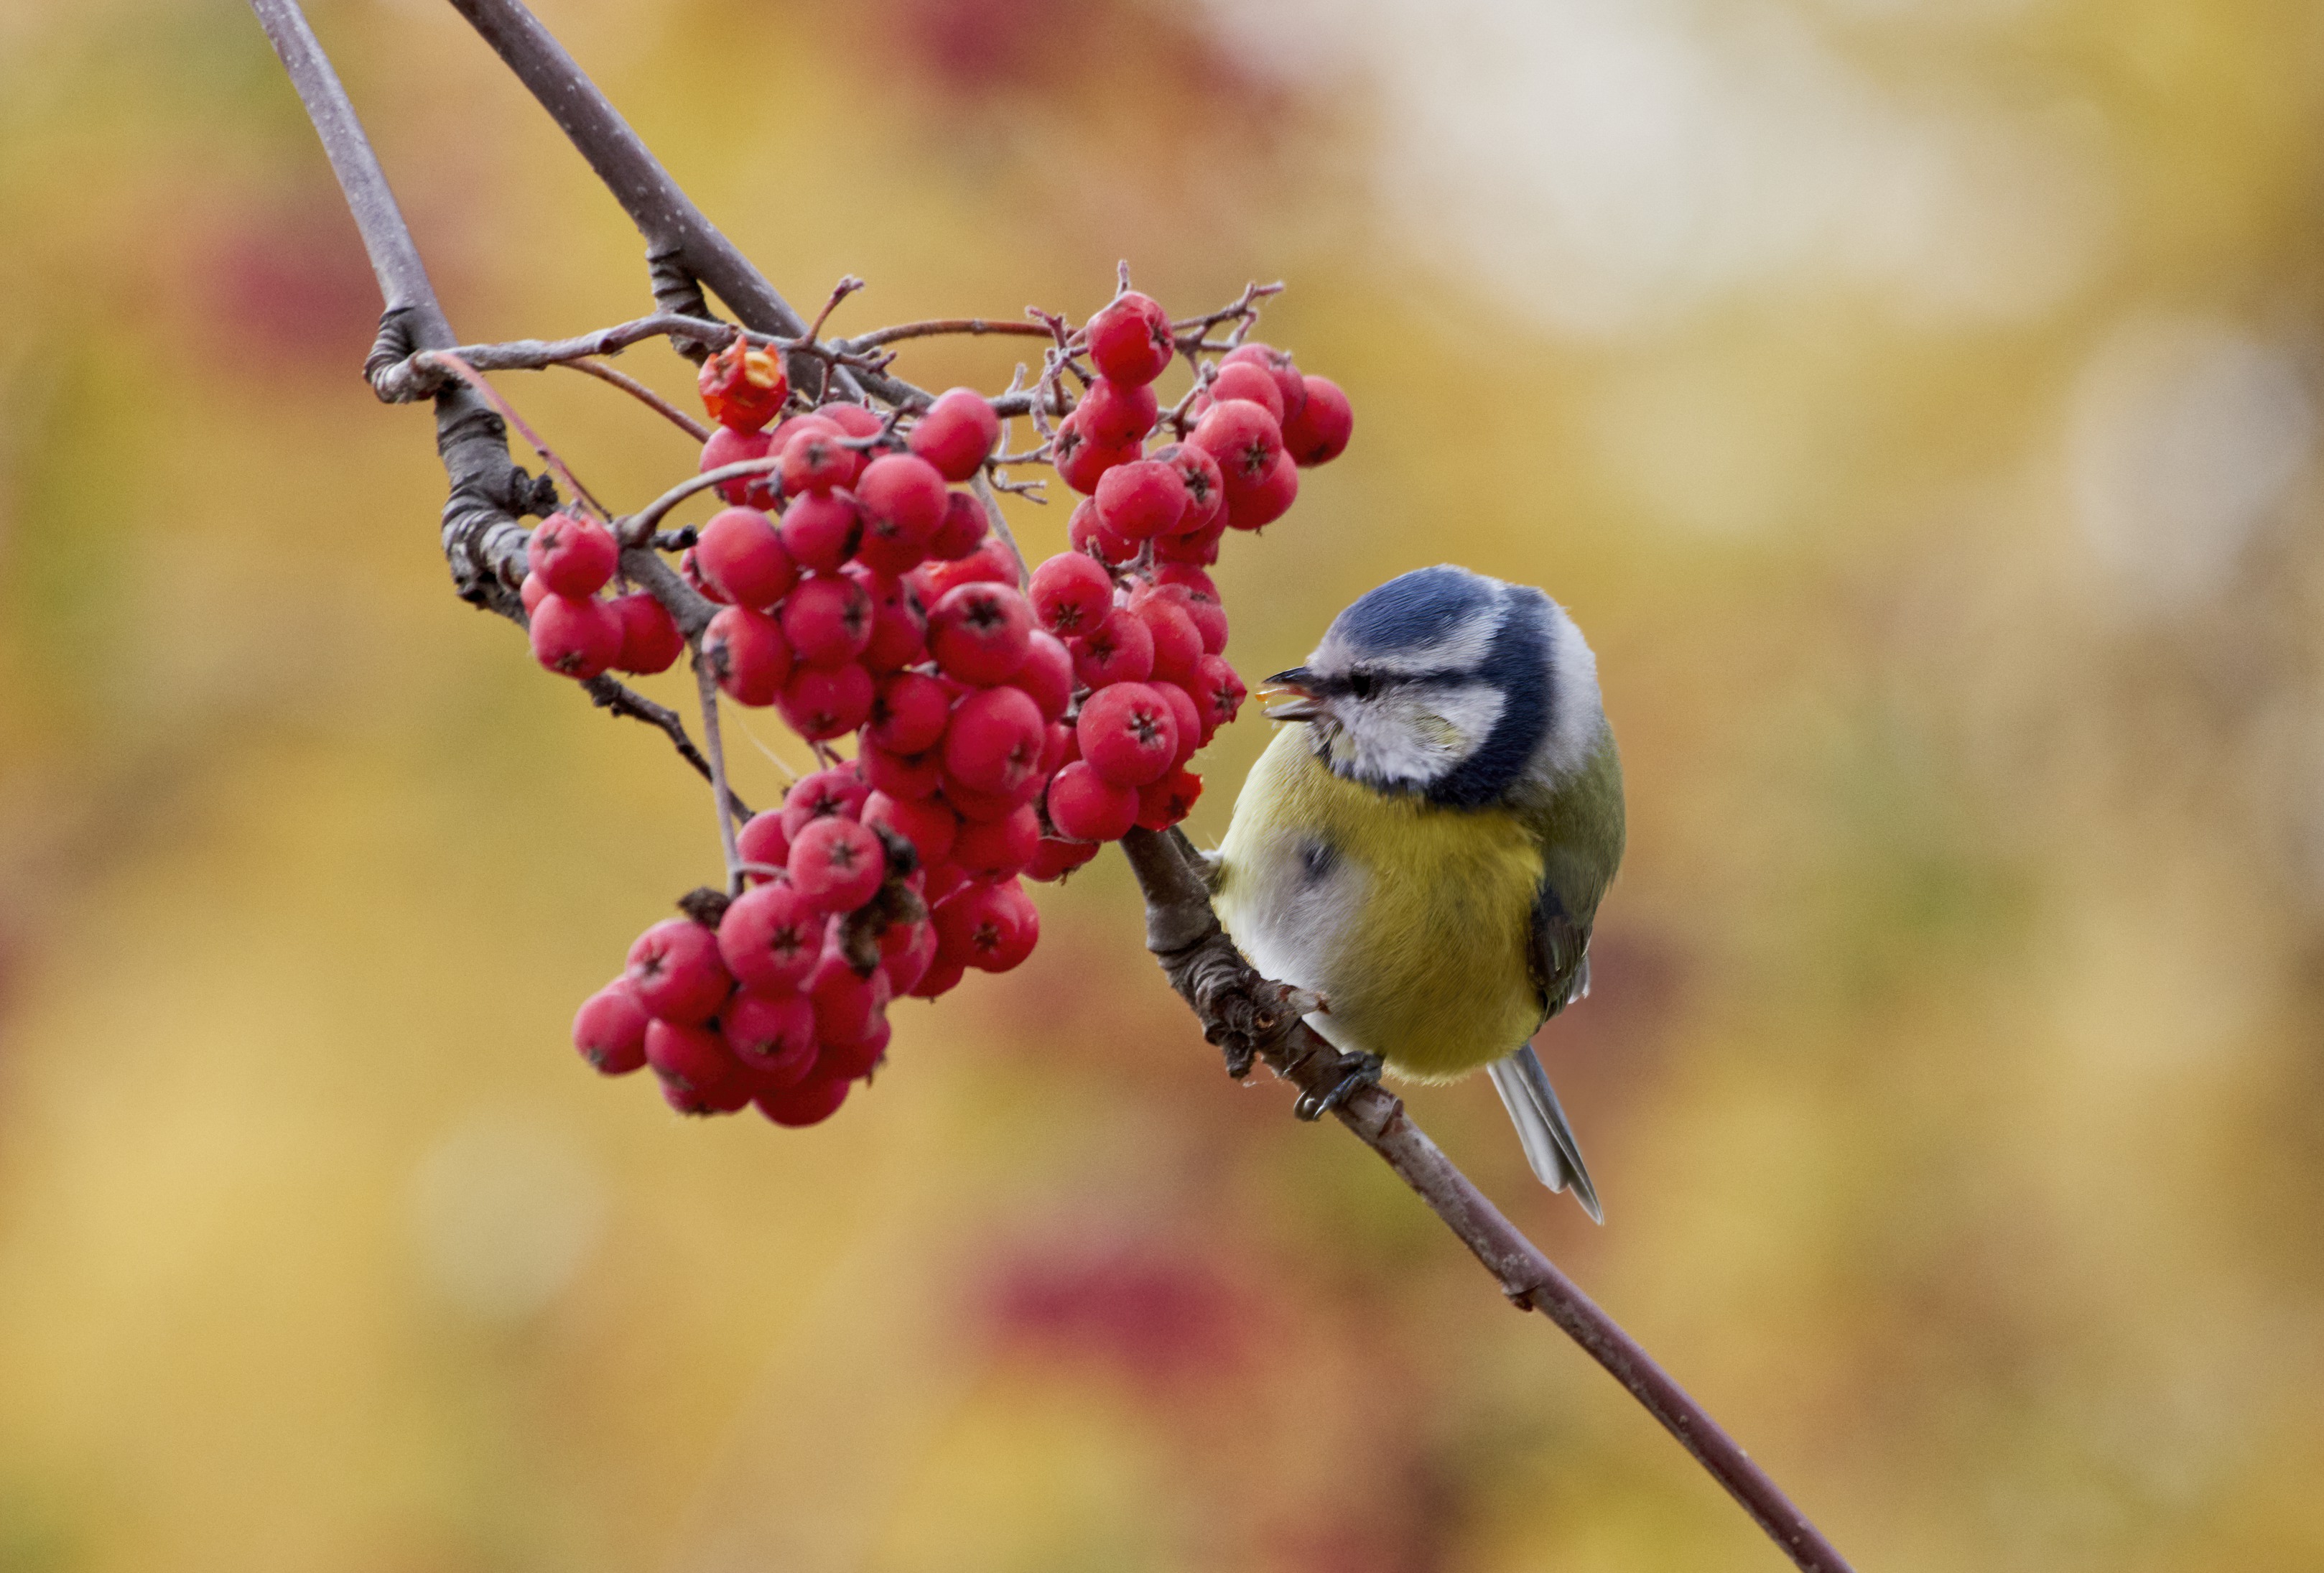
{"points": [[1414, 920]]}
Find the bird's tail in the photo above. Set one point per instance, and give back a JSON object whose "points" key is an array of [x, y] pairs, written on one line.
{"points": [[1542, 1127]]}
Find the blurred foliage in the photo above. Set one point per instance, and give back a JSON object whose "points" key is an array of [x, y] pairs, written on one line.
{"points": [[1914, 401]]}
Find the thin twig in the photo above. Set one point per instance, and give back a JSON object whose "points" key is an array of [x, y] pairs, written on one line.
{"points": [[937, 326], [642, 394], [721, 800], [993, 516], [607, 693], [639, 527]]}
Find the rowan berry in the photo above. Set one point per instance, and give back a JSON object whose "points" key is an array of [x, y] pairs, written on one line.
{"points": [[857, 421], [689, 569], [1201, 602], [1127, 734], [1129, 340], [962, 530], [610, 1028], [1200, 549], [827, 620], [692, 1059], [727, 446], [903, 775], [816, 457], [821, 702], [1046, 675], [1318, 431], [991, 927], [909, 713], [1061, 747], [821, 532], [1168, 801], [995, 739], [1243, 438], [988, 564], [999, 848], [1082, 460], [532, 591], [1119, 649], [571, 556], [576, 638], [1056, 858], [859, 1057], [1071, 594], [903, 500], [929, 823], [1185, 715], [1217, 693], [763, 840], [675, 969], [980, 633], [1290, 390], [1242, 380], [846, 1002], [1141, 499], [957, 433], [1089, 536], [1177, 641], [977, 805], [1113, 413], [651, 640], [773, 1037], [810, 1103], [742, 385], [1251, 507], [839, 792], [906, 950], [1199, 474], [942, 977], [1087, 807], [838, 865], [746, 654], [739, 551], [900, 628]]}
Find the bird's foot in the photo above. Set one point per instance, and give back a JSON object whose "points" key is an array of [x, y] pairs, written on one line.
{"points": [[1350, 1073]]}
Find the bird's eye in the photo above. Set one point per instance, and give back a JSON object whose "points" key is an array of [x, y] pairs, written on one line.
{"points": [[1359, 684]]}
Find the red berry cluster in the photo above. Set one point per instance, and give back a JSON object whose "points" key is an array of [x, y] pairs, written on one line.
{"points": [[1001, 735]]}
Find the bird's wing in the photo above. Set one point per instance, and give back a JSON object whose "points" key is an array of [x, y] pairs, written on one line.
{"points": [[1559, 954], [1543, 1129]]}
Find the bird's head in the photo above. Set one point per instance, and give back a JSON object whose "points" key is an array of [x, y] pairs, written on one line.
{"points": [[1445, 683]]}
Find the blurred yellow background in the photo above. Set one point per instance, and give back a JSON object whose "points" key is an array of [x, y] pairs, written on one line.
{"points": [[1915, 402]]}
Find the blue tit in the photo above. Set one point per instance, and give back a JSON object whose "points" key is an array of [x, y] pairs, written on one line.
{"points": [[1426, 844]]}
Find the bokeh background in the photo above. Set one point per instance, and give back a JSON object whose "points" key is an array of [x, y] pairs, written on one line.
{"points": [[1916, 402]]}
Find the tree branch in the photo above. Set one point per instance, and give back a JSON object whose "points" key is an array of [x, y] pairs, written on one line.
{"points": [[1246, 1015]]}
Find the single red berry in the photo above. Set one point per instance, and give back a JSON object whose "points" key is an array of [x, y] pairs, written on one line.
{"points": [[957, 433], [571, 556], [727, 446], [903, 775], [821, 533], [689, 569], [976, 806], [846, 1002], [1254, 506], [816, 457], [675, 968], [962, 531], [1242, 380], [988, 564], [1318, 434], [745, 653], [906, 949], [1089, 536], [1276, 363], [1141, 499], [740, 552], [650, 641], [1087, 807], [1202, 602], [995, 740], [773, 1036], [903, 499], [909, 713], [1168, 801], [1178, 642], [1056, 857], [821, 702], [810, 1103], [610, 1028], [837, 864], [1129, 341], [771, 936], [1200, 549], [1046, 675], [980, 633], [1113, 413], [576, 638], [827, 620], [837, 793], [1082, 460], [532, 591], [1071, 594], [1186, 715], [942, 977], [1062, 747], [942, 880], [1243, 438], [1119, 650], [991, 926], [1217, 693], [1128, 732], [927, 823], [855, 419], [693, 1059], [999, 848], [1198, 472], [763, 840], [860, 1057], [899, 625], [742, 385]]}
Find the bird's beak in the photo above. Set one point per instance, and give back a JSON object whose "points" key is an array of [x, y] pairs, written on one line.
{"points": [[1303, 705]]}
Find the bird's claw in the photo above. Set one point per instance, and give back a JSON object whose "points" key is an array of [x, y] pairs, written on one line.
{"points": [[1352, 1074]]}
